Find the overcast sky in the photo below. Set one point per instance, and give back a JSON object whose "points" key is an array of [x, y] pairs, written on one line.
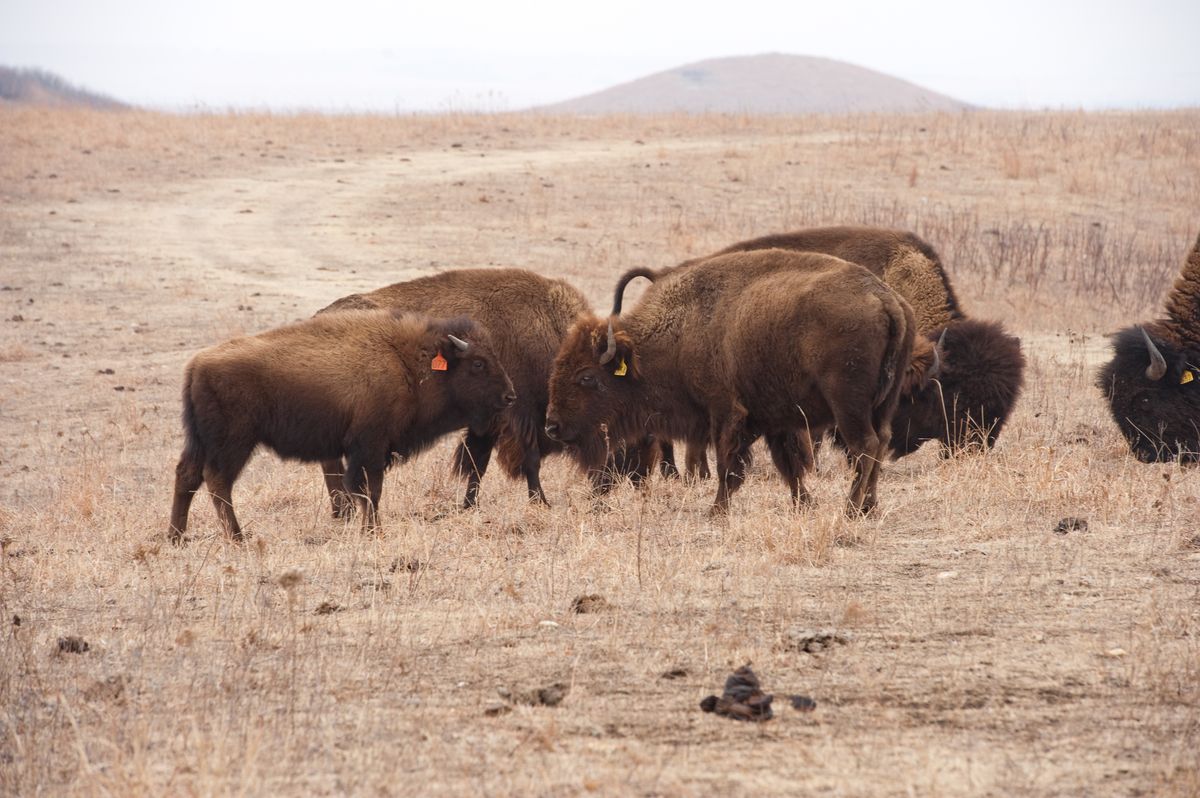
{"points": [[356, 55]]}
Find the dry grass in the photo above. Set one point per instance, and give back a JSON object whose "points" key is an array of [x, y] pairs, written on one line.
{"points": [[986, 655]]}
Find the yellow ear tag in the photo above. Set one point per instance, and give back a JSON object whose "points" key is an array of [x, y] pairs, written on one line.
{"points": [[439, 363], [622, 369], [1186, 378]]}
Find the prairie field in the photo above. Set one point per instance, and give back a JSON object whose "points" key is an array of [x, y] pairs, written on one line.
{"points": [[968, 639]]}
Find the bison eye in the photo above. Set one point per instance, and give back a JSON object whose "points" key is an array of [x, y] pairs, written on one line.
{"points": [[588, 380], [477, 365]]}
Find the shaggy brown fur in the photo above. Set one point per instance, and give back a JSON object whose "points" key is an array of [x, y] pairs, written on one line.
{"points": [[1181, 328], [1159, 414], [771, 343], [982, 366], [357, 385], [527, 317]]}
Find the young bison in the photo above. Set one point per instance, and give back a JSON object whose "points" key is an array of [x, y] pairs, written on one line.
{"points": [[365, 385], [1152, 382], [773, 343]]}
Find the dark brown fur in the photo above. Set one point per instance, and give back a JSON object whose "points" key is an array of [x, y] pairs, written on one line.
{"points": [[773, 343], [1160, 418], [357, 385], [982, 368], [527, 317]]}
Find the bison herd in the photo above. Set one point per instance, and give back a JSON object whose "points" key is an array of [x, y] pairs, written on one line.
{"points": [[851, 331]]}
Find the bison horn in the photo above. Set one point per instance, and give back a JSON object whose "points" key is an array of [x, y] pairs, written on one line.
{"points": [[1158, 365], [611, 351], [459, 343]]}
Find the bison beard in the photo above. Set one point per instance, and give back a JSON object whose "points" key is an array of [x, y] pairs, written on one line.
{"points": [[695, 360], [366, 385]]}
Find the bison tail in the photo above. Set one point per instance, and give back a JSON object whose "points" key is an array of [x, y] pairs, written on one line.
{"points": [[193, 446], [626, 279], [893, 365]]}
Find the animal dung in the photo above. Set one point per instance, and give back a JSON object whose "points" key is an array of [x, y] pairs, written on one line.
{"points": [[328, 608], [1070, 524], [549, 696], [803, 703], [591, 602], [72, 644], [743, 698], [811, 641]]}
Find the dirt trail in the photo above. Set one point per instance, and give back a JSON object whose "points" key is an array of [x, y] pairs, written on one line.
{"points": [[136, 278]]}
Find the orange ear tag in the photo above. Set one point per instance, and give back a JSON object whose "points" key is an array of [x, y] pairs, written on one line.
{"points": [[622, 369], [1186, 378], [439, 363]]}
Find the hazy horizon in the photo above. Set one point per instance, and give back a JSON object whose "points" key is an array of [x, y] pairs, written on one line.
{"points": [[369, 56]]}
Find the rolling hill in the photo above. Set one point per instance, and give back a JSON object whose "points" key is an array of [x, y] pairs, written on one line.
{"points": [[762, 84], [37, 87]]}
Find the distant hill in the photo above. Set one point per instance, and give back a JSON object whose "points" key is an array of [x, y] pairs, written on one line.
{"points": [[762, 84], [37, 87]]}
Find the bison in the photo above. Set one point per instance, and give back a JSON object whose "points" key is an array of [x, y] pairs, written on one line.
{"points": [[982, 367], [368, 386], [527, 317], [1152, 382], [773, 343]]}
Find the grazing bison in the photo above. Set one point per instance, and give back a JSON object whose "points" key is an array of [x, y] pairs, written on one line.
{"points": [[365, 385], [527, 317], [1152, 382], [774, 343], [982, 367]]}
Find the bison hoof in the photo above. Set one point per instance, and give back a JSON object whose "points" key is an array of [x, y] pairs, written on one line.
{"points": [[853, 511]]}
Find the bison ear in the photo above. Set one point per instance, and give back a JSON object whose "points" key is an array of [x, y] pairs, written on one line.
{"points": [[451, 347], [924, 367], [624, 362], [614, 351]]}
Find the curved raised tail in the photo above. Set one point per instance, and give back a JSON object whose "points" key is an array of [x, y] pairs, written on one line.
{"points": [[626, 279]]}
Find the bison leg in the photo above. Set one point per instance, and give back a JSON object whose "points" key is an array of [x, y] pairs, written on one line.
{"points": [[531, 467], [863, 449], [364, 481], [340, 501], [697, 461], [189, 476], [473, 455], [638, 463], [881, 454], [666, 463], [733, 455], [792, 453], [220, 485]]}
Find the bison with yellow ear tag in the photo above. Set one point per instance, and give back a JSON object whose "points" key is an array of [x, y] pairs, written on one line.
{"points": [[1152, 382]]}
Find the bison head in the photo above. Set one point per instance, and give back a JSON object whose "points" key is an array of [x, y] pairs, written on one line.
{"points": [[474, 379], [1153, 391], [591, 387], [979, 378]]}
